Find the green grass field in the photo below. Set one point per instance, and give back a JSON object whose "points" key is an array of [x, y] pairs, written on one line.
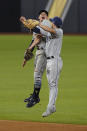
{"points": [[16, 83]]}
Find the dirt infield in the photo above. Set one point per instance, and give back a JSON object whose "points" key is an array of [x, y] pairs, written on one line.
{"points": [[36, 126]]}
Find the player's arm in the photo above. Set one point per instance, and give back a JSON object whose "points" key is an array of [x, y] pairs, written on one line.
{"points": [[46, 28], [40, 31], [35, 42], [44, 31]]}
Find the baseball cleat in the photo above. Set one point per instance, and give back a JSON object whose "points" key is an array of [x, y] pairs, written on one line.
{"points": [[49, 111], [33, 102], [29, 98]]}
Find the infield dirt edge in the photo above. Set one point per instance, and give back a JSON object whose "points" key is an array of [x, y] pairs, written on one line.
{"points": [[8, 125]]}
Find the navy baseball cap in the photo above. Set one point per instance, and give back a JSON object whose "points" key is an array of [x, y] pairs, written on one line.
{"points": [[57, 21]]}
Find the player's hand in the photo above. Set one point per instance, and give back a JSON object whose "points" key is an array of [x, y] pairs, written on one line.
{"points": [[24, 63], [22, 19]]}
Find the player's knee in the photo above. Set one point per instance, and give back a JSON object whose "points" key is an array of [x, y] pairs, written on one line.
{"points": [[52, 84]]}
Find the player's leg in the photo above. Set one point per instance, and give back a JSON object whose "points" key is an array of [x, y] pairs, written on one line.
{"points": [[53, 78], [52, 75], [39, 69]]}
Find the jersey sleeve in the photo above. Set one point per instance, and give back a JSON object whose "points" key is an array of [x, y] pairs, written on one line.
{"points": [[44, 33], [59, 32], [46, 23]]}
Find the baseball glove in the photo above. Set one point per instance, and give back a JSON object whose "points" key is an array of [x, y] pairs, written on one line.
{"points": [[31, 23], [28, 55]]}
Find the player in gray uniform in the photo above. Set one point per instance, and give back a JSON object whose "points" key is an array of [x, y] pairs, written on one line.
{"points": [[40, 62], [54, 61]]}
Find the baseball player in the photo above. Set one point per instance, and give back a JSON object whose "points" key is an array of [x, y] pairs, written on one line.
{"points": [[40, 62], [54, 61]]}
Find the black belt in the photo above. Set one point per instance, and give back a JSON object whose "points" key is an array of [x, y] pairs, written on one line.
{"points": [[50, 57], [38, 48]]}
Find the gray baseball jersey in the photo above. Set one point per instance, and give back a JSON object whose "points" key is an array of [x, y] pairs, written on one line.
{"points": [[42, 43], [54, 44]]}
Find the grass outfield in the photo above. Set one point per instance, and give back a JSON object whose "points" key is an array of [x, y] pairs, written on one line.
{"points": [[16, 83]]}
